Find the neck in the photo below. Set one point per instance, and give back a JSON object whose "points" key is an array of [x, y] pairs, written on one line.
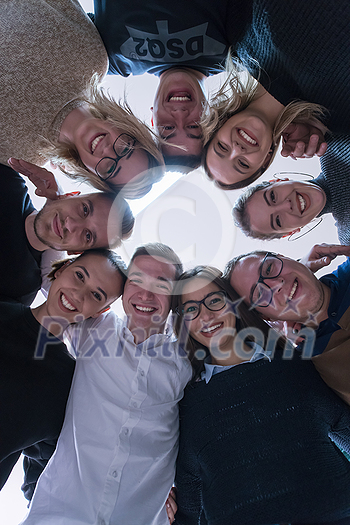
{"points": [[31, 235], [141, 334], [71, 122], [54, 326], [266, 106], [226, 355]]}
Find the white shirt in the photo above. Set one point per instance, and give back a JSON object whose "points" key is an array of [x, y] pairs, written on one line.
{"points": [[115, 459]]}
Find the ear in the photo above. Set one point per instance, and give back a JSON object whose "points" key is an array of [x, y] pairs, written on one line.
{"points": [[101, 312], [71, 194], [297, 230]]}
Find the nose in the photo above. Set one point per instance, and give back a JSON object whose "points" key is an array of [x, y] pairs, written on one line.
{"points": [[145, 295], [71, 224], [276, 284], [179, 113], [236, 149], [205, 314]]}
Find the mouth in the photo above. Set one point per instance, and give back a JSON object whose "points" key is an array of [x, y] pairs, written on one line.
{"points": [[209, 331], [179, 96], [293, 290], [67, 305], [247, 137], [57, 227], [95, 142], [301, 202], [144, 309]]}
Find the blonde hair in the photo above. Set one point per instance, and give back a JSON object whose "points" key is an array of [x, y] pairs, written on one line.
{"points": [[103, 106], [235, 95]]}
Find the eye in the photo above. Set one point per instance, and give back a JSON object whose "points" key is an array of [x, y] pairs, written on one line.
{"points": [[88, 236], [163, 287], [243, 164], [135, 281], [193, 126], [168, 128], [268, 269], [85, 210], [97, 296], [278, 221], [215, 300], [273, 196], [190, 309], [222, 146], [79, 275]]}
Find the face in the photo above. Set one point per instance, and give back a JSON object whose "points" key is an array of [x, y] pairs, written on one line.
{"points": [[212, 329], [284, 206], [177, 109], [76, 223], [296, 291], [84, 288], [94, 140], [239, 148], [147, 293]]}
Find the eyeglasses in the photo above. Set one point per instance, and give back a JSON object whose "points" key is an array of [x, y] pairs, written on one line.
{"points": [[214, 302], [122, 145], [270, 268]]}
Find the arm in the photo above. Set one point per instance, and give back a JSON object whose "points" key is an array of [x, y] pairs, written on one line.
{"points": [[44, 180], [322, 255], [303, 141], [188, 490]]}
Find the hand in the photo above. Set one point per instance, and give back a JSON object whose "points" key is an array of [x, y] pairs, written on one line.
{"points": [[322, 254], [44, 180], [291, 331], [171, 506], [303, 141]]}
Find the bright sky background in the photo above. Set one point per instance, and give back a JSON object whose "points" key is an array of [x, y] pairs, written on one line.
{"points": [[191, 216]]}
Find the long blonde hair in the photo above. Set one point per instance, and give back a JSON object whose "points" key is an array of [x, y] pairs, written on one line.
{"points": [[235, 95], [103, 106]]}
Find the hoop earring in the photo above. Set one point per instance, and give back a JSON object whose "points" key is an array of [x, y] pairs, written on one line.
{"points": [[284, 173], [292, 239]]}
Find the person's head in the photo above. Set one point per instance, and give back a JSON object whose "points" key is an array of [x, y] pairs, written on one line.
{"points": [[86, 285], [78, 223], [279, 288], [112, 149], [177, 108], [151, 274], [240, 142], [275, 209], [205, 316]]}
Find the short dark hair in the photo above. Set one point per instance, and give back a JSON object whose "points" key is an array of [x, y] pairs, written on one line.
{"points": [[157, 249], [230, 266], [242, 219], [116, 261], [182, 163]]}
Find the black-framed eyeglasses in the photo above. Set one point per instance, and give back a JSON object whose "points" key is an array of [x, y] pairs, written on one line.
{"points": [[122, 145], [270, 268], [214, 301]]}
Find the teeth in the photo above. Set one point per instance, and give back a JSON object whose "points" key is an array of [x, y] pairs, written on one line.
{"points": [[144, 308], [302, 203], [247, 137], [211, 328], [293, 290], [66, 303], [95, 142], [179, 99]]}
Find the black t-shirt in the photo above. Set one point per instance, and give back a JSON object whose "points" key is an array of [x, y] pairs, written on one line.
{"points": [[19, 262]]}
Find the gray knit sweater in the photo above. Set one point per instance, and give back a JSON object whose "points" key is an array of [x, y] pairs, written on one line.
{"points": [[49, 51], [335, 182]]}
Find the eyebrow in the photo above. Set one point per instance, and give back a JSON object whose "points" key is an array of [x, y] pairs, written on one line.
{"points": [[265, 197], [88, 276]]}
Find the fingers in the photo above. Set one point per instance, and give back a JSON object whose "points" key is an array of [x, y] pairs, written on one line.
{"points": [[303, 150], [171, 506]]}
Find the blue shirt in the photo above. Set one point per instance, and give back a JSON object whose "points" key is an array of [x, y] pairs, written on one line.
{"points": [[339, 284]]}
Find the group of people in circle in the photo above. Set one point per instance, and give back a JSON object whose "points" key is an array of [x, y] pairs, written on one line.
{"points": [[251, 425]]}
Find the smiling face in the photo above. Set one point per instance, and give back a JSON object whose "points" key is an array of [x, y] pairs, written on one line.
{"points": [[296, 290], [212, 329], [77, 223], [177, 108], [94, 140], [84, 288], [284, 206], [147, 293], [239, 148]]}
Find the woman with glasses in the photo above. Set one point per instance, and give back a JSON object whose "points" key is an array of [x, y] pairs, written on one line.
{"points": [[254, 427], [53, 107]]}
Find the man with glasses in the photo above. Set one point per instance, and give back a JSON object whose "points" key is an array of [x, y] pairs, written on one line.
{"points": [[281, 289]]}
